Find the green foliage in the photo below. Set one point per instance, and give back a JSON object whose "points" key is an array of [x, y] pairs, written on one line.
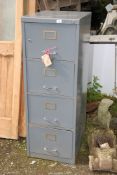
{"points": [[94, 94], [94, 90], [113, 108]]}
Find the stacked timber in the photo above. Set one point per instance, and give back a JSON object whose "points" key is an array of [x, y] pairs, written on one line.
{"points": [[58, 4]]}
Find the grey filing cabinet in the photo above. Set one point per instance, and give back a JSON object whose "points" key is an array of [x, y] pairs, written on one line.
{"points": [[56, 95]]}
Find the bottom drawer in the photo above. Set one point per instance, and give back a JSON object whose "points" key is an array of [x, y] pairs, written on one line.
{"points": [[52, 142]]}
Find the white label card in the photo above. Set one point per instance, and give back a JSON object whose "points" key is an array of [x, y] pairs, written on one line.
{"points": [[59, 21], [46, 60], [109, 7]]}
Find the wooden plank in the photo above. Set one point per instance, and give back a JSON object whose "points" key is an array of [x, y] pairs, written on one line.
{"points": [[31, 6], [22, 116], [46, 5], [56, 5], [3, 85], [6, 74], [78, 7], [5, 127], [17, 69], [6, 52], [6, 56], [6, 48], [6, 42], [9, 88], [53, 5], [38, 6]]}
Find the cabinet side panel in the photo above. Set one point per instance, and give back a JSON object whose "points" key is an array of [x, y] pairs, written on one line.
{"points": [[82, 78], [25, 82]]}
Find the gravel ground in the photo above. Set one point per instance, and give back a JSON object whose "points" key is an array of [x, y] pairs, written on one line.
{"points": [[14, 161]]}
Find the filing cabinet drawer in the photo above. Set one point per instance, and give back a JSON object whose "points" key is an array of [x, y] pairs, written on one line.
{"points": [[43, 36], [52, 142], [57, 79], [50, 111]]}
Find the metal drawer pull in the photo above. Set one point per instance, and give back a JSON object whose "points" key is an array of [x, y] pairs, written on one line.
{"points": [[54, 122], [55, 151], [55, 89]]}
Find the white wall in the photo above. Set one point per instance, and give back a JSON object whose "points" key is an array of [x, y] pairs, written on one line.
{"points": [[104, 66]]}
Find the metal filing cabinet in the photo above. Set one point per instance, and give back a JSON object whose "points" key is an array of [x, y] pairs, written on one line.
{"points": [[56, 95]]}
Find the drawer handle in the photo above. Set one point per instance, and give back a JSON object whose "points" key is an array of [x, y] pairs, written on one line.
{"points": [[50, 51], [54, 89], [54, 122], [53, 151]]}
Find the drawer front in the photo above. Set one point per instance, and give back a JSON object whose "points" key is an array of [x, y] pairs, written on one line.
{"points": [[57, 79], [50, 111], [51, 142], [59, 38]]}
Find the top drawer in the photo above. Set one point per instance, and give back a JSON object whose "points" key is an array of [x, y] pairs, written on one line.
{"points": [[40, 37]]}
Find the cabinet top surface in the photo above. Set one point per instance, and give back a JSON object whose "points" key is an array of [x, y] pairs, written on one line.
{"points": [[56, 17]]}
